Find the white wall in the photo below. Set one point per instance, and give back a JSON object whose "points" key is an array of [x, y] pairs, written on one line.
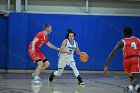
{"points": [[96, 7]]}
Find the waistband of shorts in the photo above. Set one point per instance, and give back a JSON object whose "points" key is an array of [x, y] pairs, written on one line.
{"points": [[65, 55], [138, 56]]}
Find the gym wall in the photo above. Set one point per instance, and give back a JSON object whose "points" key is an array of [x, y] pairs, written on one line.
{"points": [[3, 41], [96, 35]]}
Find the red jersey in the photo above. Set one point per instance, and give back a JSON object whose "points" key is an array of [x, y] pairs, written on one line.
{"points": [[42, 39], [131, 47]]}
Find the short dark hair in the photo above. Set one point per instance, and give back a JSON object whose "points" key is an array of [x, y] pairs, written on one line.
{"points": [[70, 31], [46, 25], [127, 31]]}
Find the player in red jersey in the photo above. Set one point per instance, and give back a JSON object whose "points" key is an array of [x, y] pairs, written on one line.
{"points": [[35, 54], [131, 55]]}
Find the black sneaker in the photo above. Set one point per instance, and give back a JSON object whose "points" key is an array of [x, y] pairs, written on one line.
{"points": [[80, 81], [51, 77], [138, 91], [127, 90]]}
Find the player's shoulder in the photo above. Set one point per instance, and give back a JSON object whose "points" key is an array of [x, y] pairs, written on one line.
{"points": [[136, 38], [121, 43], [65, 40], [40, 33]]}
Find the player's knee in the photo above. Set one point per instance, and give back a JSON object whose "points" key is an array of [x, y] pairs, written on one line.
{"points": [[73, 65], [60, 71], [47, 63], [40, 63]]}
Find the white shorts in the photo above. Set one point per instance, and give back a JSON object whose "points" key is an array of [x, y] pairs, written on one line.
{"points": [[63, 61]]}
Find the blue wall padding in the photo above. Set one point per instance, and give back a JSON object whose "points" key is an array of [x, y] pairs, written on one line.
{"points": [[3, 41], [17, 38], [96, 35]]}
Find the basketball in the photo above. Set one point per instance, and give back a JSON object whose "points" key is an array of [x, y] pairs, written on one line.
{"points": [[84, 57]]}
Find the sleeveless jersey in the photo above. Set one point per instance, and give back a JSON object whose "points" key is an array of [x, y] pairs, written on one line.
{"points": [[69, 47], [42, 39], [131, 47]]}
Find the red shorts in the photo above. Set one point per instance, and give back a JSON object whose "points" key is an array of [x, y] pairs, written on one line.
{"points": [[37, 55], [132, 65]]}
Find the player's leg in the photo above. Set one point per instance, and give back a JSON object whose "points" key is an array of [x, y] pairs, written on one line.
{"points": [[39, 67], [135, 81], [46, 64], [76, 72], [56, 73], [74, 68], [126, 64], [35, 57], [45, 61], [38, 58], [61, 65], [135, 70], [37, 79]]}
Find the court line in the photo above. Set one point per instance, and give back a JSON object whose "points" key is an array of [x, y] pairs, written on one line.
{"points": [[109, 84]]}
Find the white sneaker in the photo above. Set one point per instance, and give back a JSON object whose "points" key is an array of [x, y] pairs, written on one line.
{"points": [[36, 82], [33, 75]]}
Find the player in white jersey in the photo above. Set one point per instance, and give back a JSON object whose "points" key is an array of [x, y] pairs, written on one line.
{"points": [[66, 57]]}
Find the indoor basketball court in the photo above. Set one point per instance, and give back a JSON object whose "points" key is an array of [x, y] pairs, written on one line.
{"points": [[21, 83], [69, 46]]}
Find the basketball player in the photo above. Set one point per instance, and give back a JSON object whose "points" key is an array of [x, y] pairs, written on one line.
{"points": [[34, 51], [66, 57], [131, 54]]}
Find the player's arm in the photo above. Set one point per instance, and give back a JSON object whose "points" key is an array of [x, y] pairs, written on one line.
{"points": [[33, 44], [52, 46], [77, 49], [63, 47], [120, 44]]}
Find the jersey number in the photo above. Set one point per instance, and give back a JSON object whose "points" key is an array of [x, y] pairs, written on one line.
{"points": [[133, 45]]}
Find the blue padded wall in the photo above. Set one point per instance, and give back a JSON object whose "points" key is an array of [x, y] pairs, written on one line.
{"points": [[17, 34], [96, 35], [3, 41]]}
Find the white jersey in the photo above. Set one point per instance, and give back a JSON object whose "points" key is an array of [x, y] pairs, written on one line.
{"points": [[69, 47]]}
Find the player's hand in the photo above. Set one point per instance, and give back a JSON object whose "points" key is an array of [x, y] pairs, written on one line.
{"points": [[105, 70], [32, 50], [69, 53]]}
